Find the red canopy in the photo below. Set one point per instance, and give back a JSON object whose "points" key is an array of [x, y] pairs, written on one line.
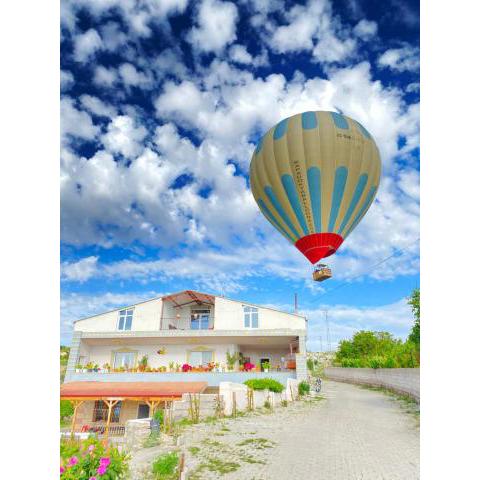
{"points": [[158, 390]]}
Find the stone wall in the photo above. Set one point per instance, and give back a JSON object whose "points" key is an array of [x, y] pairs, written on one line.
{"points": [[402, 380], [207, 407]]}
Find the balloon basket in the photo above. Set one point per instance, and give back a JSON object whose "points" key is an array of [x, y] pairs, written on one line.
{"points": [[321, 273]]}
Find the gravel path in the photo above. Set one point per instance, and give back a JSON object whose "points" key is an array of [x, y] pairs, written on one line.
{"points": [[350, 434]]}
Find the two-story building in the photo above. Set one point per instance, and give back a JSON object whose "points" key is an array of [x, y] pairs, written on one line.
{"points": [[187, 341]]}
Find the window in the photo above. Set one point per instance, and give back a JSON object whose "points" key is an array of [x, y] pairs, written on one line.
{"points": [[100, 412], [199, 319], [198, 358], [124, 359], [125, 318], [143, 411], [250, 315]]}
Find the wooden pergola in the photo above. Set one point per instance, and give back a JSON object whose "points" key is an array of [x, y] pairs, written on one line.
{"points": [[151, 393]]}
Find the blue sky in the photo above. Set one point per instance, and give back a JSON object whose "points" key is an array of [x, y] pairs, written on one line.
{"points": [[162, 103]]}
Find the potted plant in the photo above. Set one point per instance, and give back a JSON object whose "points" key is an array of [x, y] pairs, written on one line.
{"points": [[186, 367], [78, 368], [171, 366], [143, 363], [248, 366], [105, 368], [266, 366], [162, 351], [90, 366], [231, 360]]}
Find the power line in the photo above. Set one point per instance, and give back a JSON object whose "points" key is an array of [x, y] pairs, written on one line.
{"points": [[394, 254]]}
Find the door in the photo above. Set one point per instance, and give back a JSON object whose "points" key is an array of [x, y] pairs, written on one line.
{"points": [[143, 411]]}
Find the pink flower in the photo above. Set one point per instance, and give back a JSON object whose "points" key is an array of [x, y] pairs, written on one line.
{"points": [[92, 478], [105, 461], [72, 461], [61, 470], [102, 469], [91, 448]]}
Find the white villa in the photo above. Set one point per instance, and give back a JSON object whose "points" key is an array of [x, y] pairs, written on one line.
{"points": [[161, 348]]}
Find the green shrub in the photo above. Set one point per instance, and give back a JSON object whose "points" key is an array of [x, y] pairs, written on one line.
{"points": [[86, 459], [376, 362], [158, 416], [303, 388], [310, 364], [165, 466], [66, 409], [389, 363], [265, 384]]}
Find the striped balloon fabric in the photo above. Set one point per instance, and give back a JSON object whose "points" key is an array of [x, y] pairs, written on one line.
{"points": [[314, 175]]}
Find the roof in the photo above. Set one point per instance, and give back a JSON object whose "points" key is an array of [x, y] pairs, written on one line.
{"points": [[159, 390], [189, 296]]}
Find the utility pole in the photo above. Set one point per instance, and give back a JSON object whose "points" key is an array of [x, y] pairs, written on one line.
{"points": [[296, 303], [329, 344]]}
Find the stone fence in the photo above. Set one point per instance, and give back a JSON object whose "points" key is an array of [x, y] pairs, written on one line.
{"points": [[402, 380]]}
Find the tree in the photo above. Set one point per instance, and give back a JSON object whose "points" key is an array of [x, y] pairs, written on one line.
{"points": [[414, 302]]}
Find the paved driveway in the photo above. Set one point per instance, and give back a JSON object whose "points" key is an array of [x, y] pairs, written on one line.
{"points": [[352, 434]]}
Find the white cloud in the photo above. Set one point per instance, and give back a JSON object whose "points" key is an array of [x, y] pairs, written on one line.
{"points": [[81, 270], [66, 80], [311, 27], [105, 77], [345, 320], [402, 59], [97, 107], [132, 77], [86, 44], [76, 122], [365, 29], [124, 137], [215, 26], [238, 53]]}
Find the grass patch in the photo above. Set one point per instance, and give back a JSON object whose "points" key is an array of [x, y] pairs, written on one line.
{"points": [[151, 441], [250, 459], [258, 443], [194, 450], [165, 467], [216, 465]]}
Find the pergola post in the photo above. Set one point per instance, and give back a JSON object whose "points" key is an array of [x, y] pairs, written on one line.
{"points": [[76, 404], [110, 404], [152, 406]]}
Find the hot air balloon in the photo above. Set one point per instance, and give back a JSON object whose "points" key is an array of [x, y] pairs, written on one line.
{"points": [[314, 175]]}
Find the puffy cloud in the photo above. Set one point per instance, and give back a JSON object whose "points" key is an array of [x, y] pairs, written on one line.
{"points": [[312, 27], [79, 271], [132, 77], [365, 29], [215, 26], [97, 107], [239, 54], [124, 137], [66, 80], [76, 122], [402, 59], [104, 77], [86, 44]]}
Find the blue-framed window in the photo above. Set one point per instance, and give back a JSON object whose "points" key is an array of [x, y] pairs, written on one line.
{"points": [[125, 318], [250, 317], [200, 319]]}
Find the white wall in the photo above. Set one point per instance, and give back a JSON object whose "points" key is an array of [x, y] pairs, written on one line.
{"points": [[146, 316], [229, 316]]}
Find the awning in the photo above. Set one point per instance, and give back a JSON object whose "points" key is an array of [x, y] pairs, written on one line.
{"points": [[129, 390], [189, 296]]}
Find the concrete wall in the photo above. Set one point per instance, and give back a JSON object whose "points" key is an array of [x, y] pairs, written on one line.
{"points": [[401, 380], [146, 316], [229, 316]]}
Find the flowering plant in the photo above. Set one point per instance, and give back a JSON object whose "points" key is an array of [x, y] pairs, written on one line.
{"points": [[186, 367], [90, 460], [248, 366]]}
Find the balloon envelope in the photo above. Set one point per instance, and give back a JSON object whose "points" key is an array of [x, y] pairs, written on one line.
{"points": [[314, 175]]}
